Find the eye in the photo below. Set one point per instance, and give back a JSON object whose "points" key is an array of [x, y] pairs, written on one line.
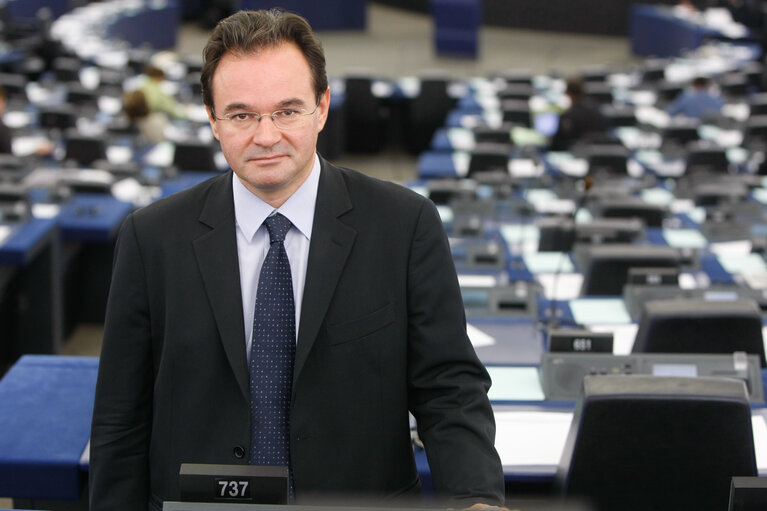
{"points": [[241, 116], [285, 114]]}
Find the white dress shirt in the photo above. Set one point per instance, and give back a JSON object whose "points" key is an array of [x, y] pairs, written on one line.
{"points": [[253, 240]]}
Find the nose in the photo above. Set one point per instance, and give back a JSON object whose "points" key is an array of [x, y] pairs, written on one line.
{"points": [[265, 133]]}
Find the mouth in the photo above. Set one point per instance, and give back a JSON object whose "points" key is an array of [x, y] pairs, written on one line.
{"points": [[266, 159]]}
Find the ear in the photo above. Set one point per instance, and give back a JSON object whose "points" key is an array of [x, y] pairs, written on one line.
{"points": [[213, 123], [322, 109]]}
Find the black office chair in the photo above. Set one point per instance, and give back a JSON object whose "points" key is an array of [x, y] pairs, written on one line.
{"points": [[700, 326], [606, 159], [681, 131], [83, 150], [61, 117], [620, 115], [488, 157], [195, 156], [518, 91], [500, 135], [757, 104], [734, 85], [599, 92], [14, 85], [427, 112], [67, 69], [755, 132], [660, 443], [714, 194], [704, 158], [605, 268], [632, 207], [517, 112], [364, 116]]}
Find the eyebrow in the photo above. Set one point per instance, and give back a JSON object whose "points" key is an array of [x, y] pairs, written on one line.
{"points": [[285, 103]]}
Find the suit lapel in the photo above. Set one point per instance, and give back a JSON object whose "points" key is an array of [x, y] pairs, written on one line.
{"points": [[329, 248], [216, 253]]}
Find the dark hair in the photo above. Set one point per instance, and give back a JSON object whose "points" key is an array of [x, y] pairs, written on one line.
{"points": [[574, 88], [135, 105], [701, 82], [249, 31], [154, 72]]}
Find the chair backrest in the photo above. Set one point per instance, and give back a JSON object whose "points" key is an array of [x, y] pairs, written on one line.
{"points": [[700, 326], [83, 149], [605, 268], [194, 156], [633, 207], [489, 156], [660, 443]]}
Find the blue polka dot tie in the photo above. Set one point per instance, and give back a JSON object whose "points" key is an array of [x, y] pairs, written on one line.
{"points": [[272, 352]]}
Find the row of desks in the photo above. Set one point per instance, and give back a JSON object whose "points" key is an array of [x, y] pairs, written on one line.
{"points": [[46, 403]]}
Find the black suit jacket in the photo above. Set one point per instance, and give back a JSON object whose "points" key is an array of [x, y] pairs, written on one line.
{"points": [[381, 332]]}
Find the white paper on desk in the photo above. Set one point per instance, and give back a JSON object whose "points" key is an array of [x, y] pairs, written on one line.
{"points": [[562, 286], [42, 210], [119, 154], [5, 231], [760, 441], [515, 384], [461, 160], [548, 262], [684, 238], [756, 279], [531, 438], [740, 264], [461, 139], [599, 311], [731, 249], [470, 280], [478, 338], [623, 336]]}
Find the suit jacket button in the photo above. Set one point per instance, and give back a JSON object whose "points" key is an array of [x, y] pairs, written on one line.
{"points": [[239, 452]]}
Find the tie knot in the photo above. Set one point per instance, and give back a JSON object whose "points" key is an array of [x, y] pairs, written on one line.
{"points": [[278, 227]]}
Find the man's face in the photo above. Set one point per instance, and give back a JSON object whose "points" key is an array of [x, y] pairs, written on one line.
{"points": [[272, 163]]}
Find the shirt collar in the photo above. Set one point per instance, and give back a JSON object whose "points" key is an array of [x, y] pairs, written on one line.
{"points": [[250, 211]]}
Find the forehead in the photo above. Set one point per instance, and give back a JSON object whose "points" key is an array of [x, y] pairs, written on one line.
{"points": [[263, 79]]}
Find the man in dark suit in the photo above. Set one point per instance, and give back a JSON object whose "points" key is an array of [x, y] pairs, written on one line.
{"points": [[380, 328], [582, 120]]}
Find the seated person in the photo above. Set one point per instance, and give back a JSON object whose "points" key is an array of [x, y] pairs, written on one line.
{"points": [[700, 100], [149, 125], [42, 148], [157, 99], [582, 119], [5, 132]]}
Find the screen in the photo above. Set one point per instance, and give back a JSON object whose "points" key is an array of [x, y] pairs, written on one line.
{"points": [[546, 123], [678, 370]]}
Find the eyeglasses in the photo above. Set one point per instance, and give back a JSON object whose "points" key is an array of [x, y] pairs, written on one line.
{"points": [[283, 119]]}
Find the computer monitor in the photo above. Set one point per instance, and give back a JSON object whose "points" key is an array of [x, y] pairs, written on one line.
{"points": [[546, 123], [605, 268]]}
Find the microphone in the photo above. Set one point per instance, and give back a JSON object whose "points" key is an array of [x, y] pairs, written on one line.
{"points": [[588, 183]]}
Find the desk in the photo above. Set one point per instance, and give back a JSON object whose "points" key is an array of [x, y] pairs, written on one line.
{"points": [[45, 413], [30, 291], [89, 226]]}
